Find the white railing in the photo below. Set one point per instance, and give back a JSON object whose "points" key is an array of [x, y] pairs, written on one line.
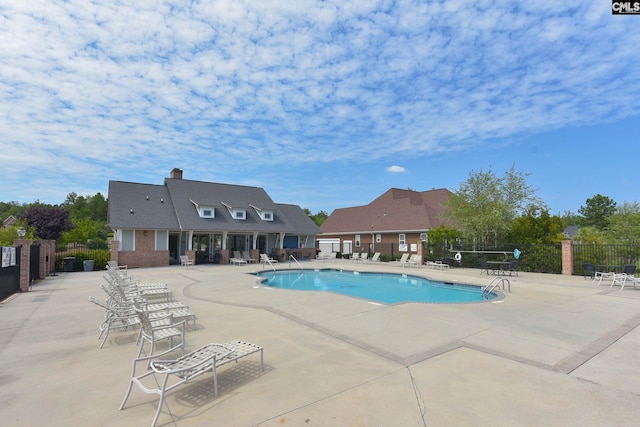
{"points": [[291, 257]]}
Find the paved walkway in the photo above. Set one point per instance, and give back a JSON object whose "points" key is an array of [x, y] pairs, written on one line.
{"points": [[556, 351]]}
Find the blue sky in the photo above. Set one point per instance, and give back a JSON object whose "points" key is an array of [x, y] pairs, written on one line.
{"points": [[324, 104]]}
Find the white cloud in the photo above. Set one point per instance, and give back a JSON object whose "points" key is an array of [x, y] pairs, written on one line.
{"points": [[146, 85], [396, 169]]}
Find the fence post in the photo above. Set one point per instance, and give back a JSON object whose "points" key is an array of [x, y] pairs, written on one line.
{"points": [[25, 263], [567, 257]]}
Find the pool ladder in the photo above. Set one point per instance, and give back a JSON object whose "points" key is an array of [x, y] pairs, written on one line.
{"points": [[497, 281], [291, 257]]}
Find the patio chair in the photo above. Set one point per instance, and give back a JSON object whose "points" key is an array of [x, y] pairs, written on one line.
{"points": [[627, 275], [375, 257], [237, 258], [364, 257], [153, 333], [484, 266], [185, 261], [355, 256], [414, 260], [588, 269], [247, 257], [169, 374], [264, 259], [402, 261], [514, 265]]}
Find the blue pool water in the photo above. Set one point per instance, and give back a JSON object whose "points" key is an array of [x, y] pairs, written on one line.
{"points": [[386, 288]]}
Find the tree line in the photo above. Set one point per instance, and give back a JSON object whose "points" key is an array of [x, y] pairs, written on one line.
{"points": [[486, 209], [79, 219]]}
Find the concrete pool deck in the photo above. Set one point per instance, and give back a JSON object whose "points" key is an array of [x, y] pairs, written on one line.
{"points": [[556, 351]]}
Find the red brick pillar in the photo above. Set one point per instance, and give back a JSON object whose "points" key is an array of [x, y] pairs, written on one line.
{"points": [[25, 262], [567, 257], [420, 254], [47, 257], [52, 256], [224, 256], [115, 246]]}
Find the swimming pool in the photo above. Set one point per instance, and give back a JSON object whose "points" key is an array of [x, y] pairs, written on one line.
{"points": [[386, 288]]}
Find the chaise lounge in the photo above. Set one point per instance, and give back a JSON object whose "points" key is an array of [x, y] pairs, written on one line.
{"points": [[185, 368]]}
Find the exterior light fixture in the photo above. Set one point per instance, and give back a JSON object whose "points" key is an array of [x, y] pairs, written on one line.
{"points": [[21, 232]]}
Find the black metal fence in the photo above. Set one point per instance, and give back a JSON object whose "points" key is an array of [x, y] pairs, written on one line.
{"points": [[10, 277], [72, 258], [539, 258], [604, 255]]}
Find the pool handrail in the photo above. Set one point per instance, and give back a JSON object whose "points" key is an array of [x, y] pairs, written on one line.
{"points": [[291, 257]]}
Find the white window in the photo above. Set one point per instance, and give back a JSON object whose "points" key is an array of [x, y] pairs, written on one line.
{"points": [[402, 239], [357, 240], [266, 215], [378, 238], [162, 240], [423, 237], [127, 243], [239, 213], [207, 212]]}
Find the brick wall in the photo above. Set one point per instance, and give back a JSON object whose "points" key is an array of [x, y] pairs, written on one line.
{"points": [[145, 254]]}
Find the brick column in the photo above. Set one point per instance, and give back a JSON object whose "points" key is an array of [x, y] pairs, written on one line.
{"points": [[567, 257], [224, 256], [47, 257], [420, 254], [52, 256], [114, 247], [25, 262]]}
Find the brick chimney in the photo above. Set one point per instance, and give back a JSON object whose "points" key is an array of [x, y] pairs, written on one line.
{"points": [[176, 173]]}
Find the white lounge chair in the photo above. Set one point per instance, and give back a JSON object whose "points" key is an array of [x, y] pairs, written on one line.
{"points": [[113, 265], [186, 368], [237, 258], [364, 257], [115, 318], [414, 260], [355, 256], [247, 257], [402, 261], [375, 257]]}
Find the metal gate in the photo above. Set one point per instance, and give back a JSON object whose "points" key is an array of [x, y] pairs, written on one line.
{"points": [[10, 277], [34, 268]]}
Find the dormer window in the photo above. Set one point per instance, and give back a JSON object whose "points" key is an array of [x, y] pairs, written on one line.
{"points": [[236, 213], [265, 215], [207, 212], [204, 211]]}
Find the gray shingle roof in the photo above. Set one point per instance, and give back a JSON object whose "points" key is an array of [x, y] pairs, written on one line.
{"points": [[151, 206], [179, 210]]}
